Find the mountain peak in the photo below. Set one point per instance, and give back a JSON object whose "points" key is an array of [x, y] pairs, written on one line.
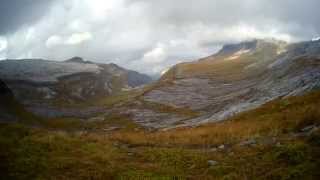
{"points": [[77, 59], [250, 45]]}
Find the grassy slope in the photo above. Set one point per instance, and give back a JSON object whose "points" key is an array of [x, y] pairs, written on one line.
{"points": [[272, 119], [220, 68], [36, 153]]}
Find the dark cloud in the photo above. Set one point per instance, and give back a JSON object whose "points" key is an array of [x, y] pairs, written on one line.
{"points": [[296, 13], [16, 13]]}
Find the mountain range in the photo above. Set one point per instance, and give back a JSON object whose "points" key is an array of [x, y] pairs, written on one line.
{"points": [[249, 111], [42, 85], [237, 78]]}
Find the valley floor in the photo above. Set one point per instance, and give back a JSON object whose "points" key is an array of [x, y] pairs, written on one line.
{"points": [[280, 140]]}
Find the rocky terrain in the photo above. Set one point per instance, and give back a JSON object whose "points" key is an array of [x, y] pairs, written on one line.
{"points": [[238, 78], [187, 125], [47, 87]]}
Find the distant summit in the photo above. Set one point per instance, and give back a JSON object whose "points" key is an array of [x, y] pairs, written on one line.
{"points": [[249, 45], [43, 86], [78, 60]]}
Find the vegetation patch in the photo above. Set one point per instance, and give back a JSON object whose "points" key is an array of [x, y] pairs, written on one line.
{"points": [[59, 149]]}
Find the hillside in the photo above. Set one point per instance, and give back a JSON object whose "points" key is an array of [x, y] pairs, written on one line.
{"points": [[57, 89], [250, 111], [239, 77], [279, 140]]}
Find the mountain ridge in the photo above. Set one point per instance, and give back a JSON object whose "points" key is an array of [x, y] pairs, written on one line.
{"points": [[227, 83], [44, 86], [237, 78]]}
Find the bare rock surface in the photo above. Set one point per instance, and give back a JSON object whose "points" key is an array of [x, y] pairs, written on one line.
{"points": [[238, 78], [153, 119]]}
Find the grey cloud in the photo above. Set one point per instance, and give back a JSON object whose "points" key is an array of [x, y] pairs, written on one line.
{"points": [[16, 13], [225, 13]]}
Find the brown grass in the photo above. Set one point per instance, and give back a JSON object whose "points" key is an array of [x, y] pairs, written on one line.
{"points": [[274, 118], [38, 153]]}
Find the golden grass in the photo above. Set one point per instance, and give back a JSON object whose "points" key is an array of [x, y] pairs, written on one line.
{"points": [[38, 153], [272, 119], [221, 68]]}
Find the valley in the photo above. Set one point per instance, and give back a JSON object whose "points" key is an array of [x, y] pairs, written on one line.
{"points": [[250, 111]]}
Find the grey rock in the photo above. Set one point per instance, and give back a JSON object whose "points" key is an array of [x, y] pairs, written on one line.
{"points": [[249, 142], [152, 119], [307, 131], [309, 128], [212, 163], [213, 150], [221, 147]]}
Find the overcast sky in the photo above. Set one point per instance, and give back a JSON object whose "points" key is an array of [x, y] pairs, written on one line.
{"points": [[147, 35]]}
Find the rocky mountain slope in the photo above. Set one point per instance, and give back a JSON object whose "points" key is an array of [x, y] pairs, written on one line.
{"points": [[238, 78], [44, 87]]}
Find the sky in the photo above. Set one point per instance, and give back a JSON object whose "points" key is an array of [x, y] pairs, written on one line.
{"points": [[147, 35]]}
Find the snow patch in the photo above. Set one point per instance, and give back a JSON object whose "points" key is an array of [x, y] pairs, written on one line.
{"points": [[238, 54], [316, 39]]}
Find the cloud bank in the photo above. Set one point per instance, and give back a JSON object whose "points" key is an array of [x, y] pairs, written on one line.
{"points": [[147, 35]]}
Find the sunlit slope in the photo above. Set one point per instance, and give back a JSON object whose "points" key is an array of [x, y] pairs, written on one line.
{"points": [[230, 63]]}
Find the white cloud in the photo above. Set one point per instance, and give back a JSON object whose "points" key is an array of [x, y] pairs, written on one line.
{"points": [[99, 9], [78, 38], [3, 44], [73, 39], [53, 41], [156, 55]]}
